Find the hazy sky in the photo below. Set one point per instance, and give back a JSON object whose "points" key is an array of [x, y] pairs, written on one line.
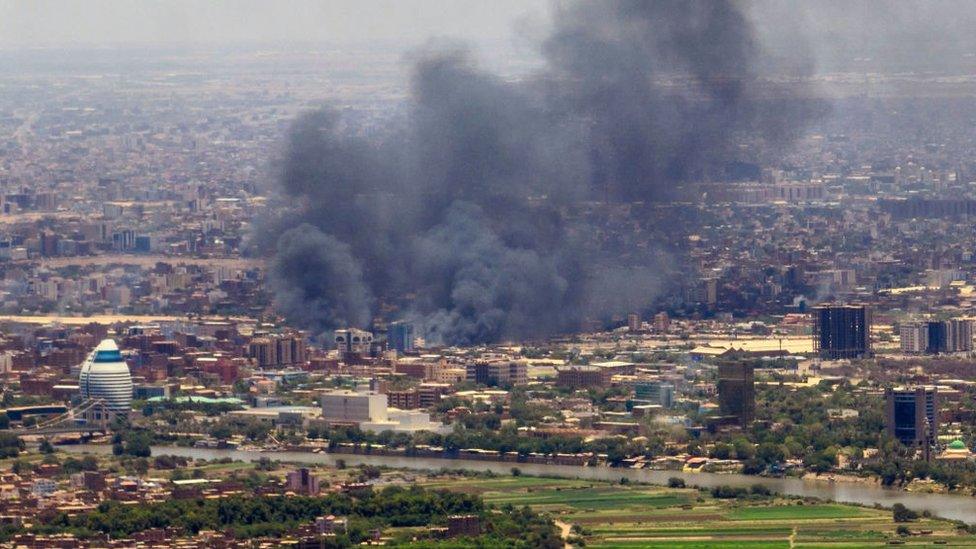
{"points": [[31, 23], [898, 34]]}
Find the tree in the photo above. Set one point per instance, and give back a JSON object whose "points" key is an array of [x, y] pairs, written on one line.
{"points": [[369, 472], [221, 431], [46, 447], [265, 464], [10, 445], [819, 462], [770, 453], [900, 513], [721, 451], [675, 482], [743, 448], [137, 444], [22, 466]]}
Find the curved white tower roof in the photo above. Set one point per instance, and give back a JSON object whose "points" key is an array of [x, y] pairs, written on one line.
{"points": [[105, 375]]}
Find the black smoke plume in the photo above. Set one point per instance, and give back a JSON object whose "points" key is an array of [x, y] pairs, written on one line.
{"points": [[470, 216]]}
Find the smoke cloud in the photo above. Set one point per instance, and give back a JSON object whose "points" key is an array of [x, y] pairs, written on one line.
{"points": [[472, 216]]}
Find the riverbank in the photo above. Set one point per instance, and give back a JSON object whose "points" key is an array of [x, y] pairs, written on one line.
{"points": [[633, 515], [948, 506]]}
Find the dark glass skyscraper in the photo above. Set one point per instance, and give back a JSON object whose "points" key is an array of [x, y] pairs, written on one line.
{"points": [[399, 336], [842, 331], [912, 414], [737, 392]]}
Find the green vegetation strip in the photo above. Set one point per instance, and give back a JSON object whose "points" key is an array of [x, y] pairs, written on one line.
{"points": [[798, 512], [778, 531], [705, 544]]}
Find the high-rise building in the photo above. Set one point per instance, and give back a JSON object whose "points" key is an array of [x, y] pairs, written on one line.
{"points": [[353, 341], [655, 392], [105, 375], [353, 407], [842, 331], [508, 372], [302, 481], [581, 377], [263, 351], [959, 335], [399, 336], [498, 372], [710, 291], [914, 337], [912, 414], [661, 322], [737, 392], [277, 351], [633, 322], [950, 336], [477, 372]]}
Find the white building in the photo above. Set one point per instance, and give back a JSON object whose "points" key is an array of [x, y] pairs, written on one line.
{"points": [[105, 375], [370, 412], [352, 407], [914, 337], [43, 487], [353, 340], [405, 421]]}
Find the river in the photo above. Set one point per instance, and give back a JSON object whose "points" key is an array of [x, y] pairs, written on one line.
{"points": [[949, 506]]}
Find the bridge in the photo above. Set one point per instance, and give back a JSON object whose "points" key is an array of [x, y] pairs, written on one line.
{"points": [[90, 416]]}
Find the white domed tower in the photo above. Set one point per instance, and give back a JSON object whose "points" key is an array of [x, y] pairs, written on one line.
{"points": [[105, 375]]}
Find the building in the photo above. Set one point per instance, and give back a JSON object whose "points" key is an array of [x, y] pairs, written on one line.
{"points": [[955, 453], [105, 375], [950, 336], [431, 393], [89, 480], [302, 481], [842, 331], [353, 341], [655, 392], [959, 335], [399, 336], [477, 372], [330, 524], [369, 411], [508, 372], [912, 415], [43, 487], [277, 351], [914, 337], [737, 392], [498, 372], [404, 400], [463, 525], [406, 421], [352, 407], [662, 322], [633, 322], [582, 377]]}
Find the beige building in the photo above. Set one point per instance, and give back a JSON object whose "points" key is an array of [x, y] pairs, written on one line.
{"points": [[352, 407]]}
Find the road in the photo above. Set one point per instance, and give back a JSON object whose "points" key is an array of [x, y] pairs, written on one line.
{"points": [[564, 531]]}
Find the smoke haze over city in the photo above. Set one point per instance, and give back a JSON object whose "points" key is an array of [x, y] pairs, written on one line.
{"points": [[462, 205]]}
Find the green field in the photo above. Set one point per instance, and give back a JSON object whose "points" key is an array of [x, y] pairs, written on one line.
{"points": [[627, 516], [797, 512]]}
